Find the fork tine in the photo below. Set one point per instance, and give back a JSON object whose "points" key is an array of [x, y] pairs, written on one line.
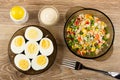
{"points": [[69, 63], [69, 60], [65, 63], [68, 66]]}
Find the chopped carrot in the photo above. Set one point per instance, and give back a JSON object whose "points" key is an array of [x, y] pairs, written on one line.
{"points": [[91, 32], [97, 37], [80, 52], [76, 23], [87, 22], [71, 32], [103, 32], [79, 39]]}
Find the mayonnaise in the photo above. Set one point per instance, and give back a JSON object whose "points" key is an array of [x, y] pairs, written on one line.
{"points": [[48, 15]]}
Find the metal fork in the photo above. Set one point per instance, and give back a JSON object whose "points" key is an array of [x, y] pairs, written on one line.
{"points": [[78, 66]]}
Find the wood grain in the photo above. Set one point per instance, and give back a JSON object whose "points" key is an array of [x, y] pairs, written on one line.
{"points": [[110, 62]]}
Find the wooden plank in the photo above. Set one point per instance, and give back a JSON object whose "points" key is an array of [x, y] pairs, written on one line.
{"points": [[109, 62]]}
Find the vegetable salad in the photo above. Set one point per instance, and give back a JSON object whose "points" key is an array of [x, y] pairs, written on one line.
{"points": [[87, 35]]}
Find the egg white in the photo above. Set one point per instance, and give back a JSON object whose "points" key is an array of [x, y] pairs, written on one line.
{"points": [[40, 33], [16, 49], [36, 66], [47, 51], [27, 52], [18, 58]]}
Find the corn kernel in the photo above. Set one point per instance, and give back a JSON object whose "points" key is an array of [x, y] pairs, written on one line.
{"points": [[93, 49]]}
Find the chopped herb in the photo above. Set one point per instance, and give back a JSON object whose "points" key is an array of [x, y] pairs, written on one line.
{"points": [[106, 30], [92, 53], [104, 45], [80, 47], [81, 33], [87, 53], [92, 22], [75, 41], [88, 28], [88, 47], [104, 38], [96, 45]]}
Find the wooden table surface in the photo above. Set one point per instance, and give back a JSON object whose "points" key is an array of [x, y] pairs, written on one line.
{"points": [[110, 62]]}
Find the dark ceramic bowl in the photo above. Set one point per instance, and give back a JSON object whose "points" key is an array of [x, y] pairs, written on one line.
{"points": [[102, 17], [51, 57]]}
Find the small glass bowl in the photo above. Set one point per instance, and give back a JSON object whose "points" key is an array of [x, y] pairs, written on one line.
{"points": [[49, 16]]}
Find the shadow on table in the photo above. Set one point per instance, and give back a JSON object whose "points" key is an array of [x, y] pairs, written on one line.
{"points": [[55, 69], [106, 56]]}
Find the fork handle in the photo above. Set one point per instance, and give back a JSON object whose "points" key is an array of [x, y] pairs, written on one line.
{"points": [[112, 74]]}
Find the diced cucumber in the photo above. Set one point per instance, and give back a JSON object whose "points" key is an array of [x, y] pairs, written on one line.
{"points": [[104, 38], [92, 22], [88, 28], [81, 33], [92, 53], [106, 30], [80, 47], [104, 45]]}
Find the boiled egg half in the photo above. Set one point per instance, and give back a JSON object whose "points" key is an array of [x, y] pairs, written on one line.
{"points": [[22, 62], [31, 49], [33, 33], [39, 62], [46, 46], [17, 44]]}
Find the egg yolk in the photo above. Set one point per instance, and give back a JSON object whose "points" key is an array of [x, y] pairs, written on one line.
{"points": [[19, 42], [17, 12], [41, 60], [32, 34], [32, 48], [23, 64], [45, 44]]}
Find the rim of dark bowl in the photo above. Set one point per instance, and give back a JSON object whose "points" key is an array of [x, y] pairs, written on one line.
{"points": [[112, 29]]}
